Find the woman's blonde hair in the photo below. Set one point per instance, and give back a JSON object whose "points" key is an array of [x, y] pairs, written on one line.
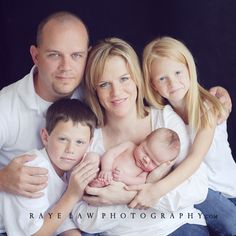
{"points": [[95, 67], [199, 101]]}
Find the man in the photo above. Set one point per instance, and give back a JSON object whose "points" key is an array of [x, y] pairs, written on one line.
{"points": [[59, 58]]}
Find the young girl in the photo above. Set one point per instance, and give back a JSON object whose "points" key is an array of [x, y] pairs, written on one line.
{"points": [[171, 78]]}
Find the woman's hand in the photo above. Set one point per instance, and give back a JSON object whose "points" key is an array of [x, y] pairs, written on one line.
{"points": [[113, 194], [223, 95], [146, 197]]}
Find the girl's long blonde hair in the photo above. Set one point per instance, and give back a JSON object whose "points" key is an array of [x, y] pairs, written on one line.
{"points": [[201, 106]]}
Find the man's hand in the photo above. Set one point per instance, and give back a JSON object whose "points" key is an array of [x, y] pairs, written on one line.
{"points": [[113, 194], [223, 95], [17, 178]]}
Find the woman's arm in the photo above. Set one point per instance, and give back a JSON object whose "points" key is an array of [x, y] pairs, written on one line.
{"points": [[113, 194], [109, 158]]}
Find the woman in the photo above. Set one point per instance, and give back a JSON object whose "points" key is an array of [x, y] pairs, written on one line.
{"points": [[115, 93]]}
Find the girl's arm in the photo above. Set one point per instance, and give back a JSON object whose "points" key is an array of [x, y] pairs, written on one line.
{"points": [[80, 177], [183, 171], [188, 166]]}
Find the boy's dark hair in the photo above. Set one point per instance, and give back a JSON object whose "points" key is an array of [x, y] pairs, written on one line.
{"points": [[70, 109]]}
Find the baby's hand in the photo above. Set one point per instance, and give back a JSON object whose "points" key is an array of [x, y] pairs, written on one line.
{"points": [[118, 175], [106, 175]]}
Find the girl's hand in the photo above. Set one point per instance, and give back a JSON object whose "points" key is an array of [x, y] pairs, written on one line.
{"points": [[146, 197]]}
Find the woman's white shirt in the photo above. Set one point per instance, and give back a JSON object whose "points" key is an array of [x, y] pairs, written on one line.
{"points": [[179, 201]]}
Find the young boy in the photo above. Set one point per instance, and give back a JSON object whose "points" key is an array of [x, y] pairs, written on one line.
{"points": [[130, 164], [69, 129]]}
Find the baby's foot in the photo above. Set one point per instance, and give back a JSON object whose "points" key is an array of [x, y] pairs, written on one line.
{"points": [[98, 183]]}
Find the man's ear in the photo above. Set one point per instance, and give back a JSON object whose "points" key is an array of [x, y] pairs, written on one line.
{"points": [[89, 49], [44, 136], [34, 54]]}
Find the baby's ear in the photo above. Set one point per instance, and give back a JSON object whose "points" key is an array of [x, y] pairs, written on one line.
{"points": [[44, 136]]}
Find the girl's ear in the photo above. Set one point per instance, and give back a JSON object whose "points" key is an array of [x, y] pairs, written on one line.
{"points": [[153, 86], [44, 136]]}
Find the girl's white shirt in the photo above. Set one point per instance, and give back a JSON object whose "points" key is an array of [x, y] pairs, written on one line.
{"points": [[172, 210], [220, 163]]}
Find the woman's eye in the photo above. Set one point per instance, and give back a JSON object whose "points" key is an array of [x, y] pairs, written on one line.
{"points": [[178, 72], [104, 85], [125, 78]]}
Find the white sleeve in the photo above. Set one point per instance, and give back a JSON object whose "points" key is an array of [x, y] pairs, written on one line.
{"points": [[194, 189], [191, 191], [24, 216], [171, 120], [93, 219]]}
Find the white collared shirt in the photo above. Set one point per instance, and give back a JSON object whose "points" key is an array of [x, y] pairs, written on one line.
{"points": [[220, 163], [21, 118]]}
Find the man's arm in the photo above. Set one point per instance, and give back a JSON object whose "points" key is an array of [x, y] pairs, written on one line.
{"points": [[224, 97], [19, 179]]}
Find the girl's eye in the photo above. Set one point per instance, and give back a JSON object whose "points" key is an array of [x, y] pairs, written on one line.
{"points": [[104, 85], [178, 72], [162, 78]]}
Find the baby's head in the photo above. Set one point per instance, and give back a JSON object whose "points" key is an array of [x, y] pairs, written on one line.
{"points": [[69, 129], [161, 145]]}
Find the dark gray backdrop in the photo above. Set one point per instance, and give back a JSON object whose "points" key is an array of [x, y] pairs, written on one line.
{"points": [[208, 28]]}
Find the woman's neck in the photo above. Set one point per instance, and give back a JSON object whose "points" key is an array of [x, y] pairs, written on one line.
{"points": [[129, 128]]}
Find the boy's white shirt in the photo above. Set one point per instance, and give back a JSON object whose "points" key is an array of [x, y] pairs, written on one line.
{"points": [[220, 163], [179, 201], [16, 211]]}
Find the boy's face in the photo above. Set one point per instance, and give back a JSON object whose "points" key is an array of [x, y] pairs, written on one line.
{"points": [[66, 145]]}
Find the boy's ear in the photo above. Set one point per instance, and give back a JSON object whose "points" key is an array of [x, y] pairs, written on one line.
{"points": [[44, 136], [34, 54]]}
